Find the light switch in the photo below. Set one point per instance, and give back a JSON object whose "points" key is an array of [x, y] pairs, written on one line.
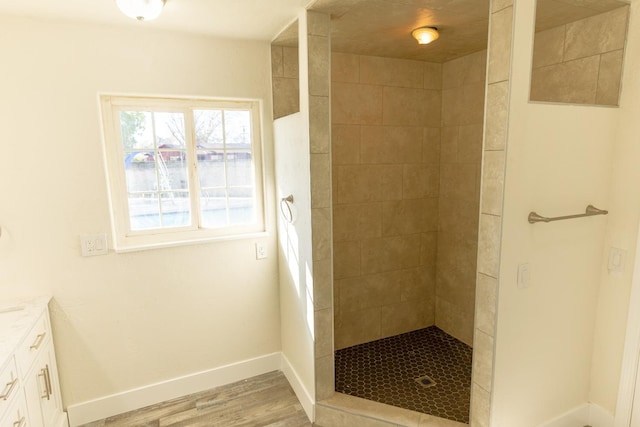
{"points": [[524, 276], [94, 244], [617, 260]]}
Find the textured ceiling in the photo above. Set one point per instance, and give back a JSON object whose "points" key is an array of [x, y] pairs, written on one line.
{"points": [[383, 27]]}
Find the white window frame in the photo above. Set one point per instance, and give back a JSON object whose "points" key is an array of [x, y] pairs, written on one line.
{"points": [[125, 239]]}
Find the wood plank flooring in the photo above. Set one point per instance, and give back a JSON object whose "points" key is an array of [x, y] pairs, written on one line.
{"points": [[265, 400]]}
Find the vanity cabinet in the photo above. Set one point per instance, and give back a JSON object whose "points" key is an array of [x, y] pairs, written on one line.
{"points": [[29, 376]]}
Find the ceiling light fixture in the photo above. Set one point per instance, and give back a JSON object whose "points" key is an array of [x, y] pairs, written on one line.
{"points": [[425, 35], [142, 10]]}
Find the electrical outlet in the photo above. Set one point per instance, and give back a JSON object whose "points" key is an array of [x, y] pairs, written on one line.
{"points": [[94, 244], [261, 251]]}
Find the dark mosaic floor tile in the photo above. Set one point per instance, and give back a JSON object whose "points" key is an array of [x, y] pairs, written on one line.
{"points": [[386, 371]]}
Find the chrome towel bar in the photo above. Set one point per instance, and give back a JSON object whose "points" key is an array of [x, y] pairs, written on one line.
{"points": [[589, 211]]}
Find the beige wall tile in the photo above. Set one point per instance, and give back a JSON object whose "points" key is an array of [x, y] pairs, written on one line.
{"points": [[357, 222], [319, 66], [390, 253], [480, 406], [391, 72], [320, 181], [473, 112], [453, 73], [486, 293], [346, 259], [368, 183], [420, 180], [431, 145], [432, 76], [548, 48], [454, 320], [598, 34], [470, 144], [323, 324], [493, 182], [428, 252], [325, 377], [483, 359], [321, 233], [403, 317], [277, 61], [291, 64], [319, 124], [364, 292], [456, 264], [345, 67], [286, 97], [458, 180], [496, 120], [476, 68], [357, 327], [449, 144], [453, 107], [322, 284], [571, 82], [411, 107], [391, 144], [409, 216], [497, 5], [500, 45], [609, 78], [356, 104], [318, 23], [458, 216], [489, 236], [345, 144]]}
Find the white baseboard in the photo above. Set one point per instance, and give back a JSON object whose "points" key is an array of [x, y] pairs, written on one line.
{"points": [[114, 404], [303, 395], [588, 414]]}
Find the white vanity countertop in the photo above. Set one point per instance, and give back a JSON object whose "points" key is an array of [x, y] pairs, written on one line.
{"points": [[16, 319]]}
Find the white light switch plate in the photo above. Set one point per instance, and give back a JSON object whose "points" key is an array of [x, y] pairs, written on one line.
{"points": [[524, 276], [94, 244], [617, 260]]}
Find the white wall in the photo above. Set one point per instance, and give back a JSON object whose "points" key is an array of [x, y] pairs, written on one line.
{"points": [[622, 229], [558, 161], [123, 320]]}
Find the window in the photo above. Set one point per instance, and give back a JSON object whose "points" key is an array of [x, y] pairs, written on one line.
{"points": [[182, 170]]}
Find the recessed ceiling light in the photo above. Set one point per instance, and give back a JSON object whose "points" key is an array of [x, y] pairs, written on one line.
{"points": [[142, 10]]}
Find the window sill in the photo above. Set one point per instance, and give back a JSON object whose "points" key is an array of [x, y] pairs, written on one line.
{"points": [[136, 247]]}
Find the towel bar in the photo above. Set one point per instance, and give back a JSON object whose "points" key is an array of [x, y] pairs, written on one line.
{"points": [[589, 211]]}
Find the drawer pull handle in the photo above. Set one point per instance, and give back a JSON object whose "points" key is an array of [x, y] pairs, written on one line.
{"points": [[44, 373], [8, 389], [20, 422], [36, 344]]}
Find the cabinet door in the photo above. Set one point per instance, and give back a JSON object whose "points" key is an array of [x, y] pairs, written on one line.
{"points": [[43, 401]]}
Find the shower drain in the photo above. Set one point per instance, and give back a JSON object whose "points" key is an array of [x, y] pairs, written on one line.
{"points": [[425, 381]]}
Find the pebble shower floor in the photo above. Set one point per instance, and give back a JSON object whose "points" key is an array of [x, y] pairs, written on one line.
{"points": [[390, 371]]}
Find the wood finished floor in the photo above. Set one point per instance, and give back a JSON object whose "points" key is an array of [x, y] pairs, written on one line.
{"points": [[265, 400]]}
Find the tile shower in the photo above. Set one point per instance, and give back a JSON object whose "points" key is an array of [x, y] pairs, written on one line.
{"points": [[406, 162]]}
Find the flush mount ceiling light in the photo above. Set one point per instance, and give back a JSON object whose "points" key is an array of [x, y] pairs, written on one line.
{"points": [[425, 35], [142, 10]]}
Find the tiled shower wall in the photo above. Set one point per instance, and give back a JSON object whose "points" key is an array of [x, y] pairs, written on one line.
{"points": [[581, 62], [385, 155], [463, 86], [285, 80], [405, 213]]}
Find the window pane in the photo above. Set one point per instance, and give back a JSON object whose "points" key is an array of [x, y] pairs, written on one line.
{"points": [[140, 170], [237, 126], [172, 170], [211, 169], [137, 131], [176, 210], [213, 204], [239, 168], [144, 211], [241, 206], [208, 128], [170, 130]]}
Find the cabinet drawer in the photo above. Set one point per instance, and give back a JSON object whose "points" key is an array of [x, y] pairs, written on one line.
{"points": [[9, 386], [34, 342], [17, 415]]}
